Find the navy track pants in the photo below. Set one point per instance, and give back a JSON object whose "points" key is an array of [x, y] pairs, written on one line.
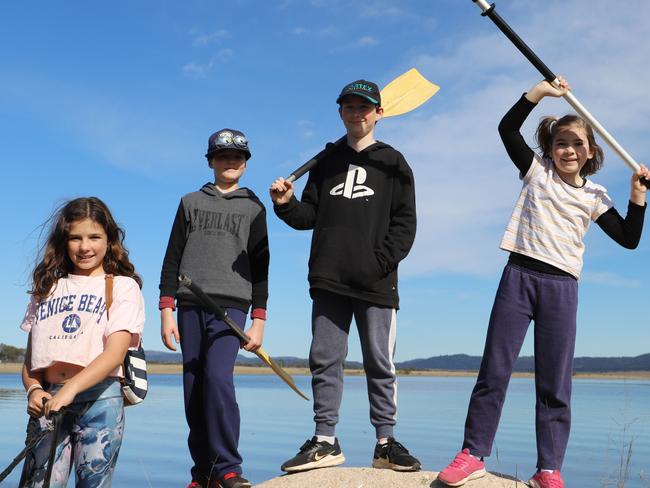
{"points": [[551, 302], [209, 352]]}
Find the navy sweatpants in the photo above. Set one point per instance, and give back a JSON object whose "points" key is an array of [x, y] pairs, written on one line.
{"points": [[551, 302], [209, 353]]}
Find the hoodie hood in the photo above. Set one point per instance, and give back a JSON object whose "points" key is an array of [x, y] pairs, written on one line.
{"points": [[375, 146], [211, 189]]}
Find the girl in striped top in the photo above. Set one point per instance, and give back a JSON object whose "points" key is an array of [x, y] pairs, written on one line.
{"points": [[540, 282]]}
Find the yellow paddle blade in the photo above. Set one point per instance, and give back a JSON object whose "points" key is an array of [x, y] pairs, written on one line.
{"points": [[406, 92], [286, 377]]}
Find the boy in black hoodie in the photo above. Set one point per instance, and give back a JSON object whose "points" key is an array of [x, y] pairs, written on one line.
{"points": [[360, 202]]}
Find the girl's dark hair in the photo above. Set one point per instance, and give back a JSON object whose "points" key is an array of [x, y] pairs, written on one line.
{"points": [[549, 127], [55, 262]]}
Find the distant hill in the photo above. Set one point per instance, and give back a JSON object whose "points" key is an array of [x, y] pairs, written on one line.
{"points": [[287, 361], [526, 364], [587, 364], [11, 354], [454, 362]]}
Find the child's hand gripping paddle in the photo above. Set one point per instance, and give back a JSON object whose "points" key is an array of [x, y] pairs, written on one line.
{"points": [[405, 93], [490, 11], [34, 435], [221, 314]]}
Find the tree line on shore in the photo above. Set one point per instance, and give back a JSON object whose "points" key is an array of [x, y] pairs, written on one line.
{"points": [[454, 362]]}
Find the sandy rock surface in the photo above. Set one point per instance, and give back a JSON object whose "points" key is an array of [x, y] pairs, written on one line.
{"points": [[380, 478]]}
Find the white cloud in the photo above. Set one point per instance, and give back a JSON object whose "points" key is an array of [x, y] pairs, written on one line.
{"points": [[201, 70], [366, 41], [610, 279], [204, 39], [123, 136], [466, 185], [322, 32], [307, 128], [196, 70], [381, 9]]}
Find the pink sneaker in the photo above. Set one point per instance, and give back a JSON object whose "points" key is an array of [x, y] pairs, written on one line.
{"points": [[463, 468], [544, 479]]}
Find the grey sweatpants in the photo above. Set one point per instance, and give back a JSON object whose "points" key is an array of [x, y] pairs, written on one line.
{"points": [[331, 318]]}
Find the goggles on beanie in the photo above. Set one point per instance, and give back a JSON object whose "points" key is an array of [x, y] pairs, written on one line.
{"points": [[228, 139]]}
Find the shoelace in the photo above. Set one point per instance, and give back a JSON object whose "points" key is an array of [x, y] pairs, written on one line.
{"points": [[460, 461], [395, 447], [553, 482], [308, 445]]}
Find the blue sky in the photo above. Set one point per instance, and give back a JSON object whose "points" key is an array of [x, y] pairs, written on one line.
{"points": [[118, 99]]}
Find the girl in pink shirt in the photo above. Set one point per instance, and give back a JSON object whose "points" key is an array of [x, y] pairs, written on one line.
{"points": [[76, 348]]}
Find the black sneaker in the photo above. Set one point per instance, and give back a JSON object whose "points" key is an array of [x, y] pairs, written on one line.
{"points": [[395, 456], [234, 480], [314, 454]]}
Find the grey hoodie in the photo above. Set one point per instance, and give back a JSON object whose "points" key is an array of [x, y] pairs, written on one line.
{"points": [[220, 241]]}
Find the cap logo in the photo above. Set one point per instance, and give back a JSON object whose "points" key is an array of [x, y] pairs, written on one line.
{"points": [[359, 86]]}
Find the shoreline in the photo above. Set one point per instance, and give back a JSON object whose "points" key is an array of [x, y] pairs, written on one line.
{"points": [[164, 368]]}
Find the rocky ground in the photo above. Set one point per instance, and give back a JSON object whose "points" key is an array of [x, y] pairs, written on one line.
{"points": [[380, 478]]}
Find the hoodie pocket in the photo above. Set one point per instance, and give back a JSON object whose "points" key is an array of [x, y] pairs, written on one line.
{"points": [[345, 256]]}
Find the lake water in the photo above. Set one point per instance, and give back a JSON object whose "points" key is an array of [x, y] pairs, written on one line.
{"points": [[608, 415]]}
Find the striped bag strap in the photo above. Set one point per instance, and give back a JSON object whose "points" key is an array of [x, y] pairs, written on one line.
{"points": [[108, 293]]}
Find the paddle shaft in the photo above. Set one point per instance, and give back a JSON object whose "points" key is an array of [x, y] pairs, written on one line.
{"points": [[221, 314], [30, 442], [213, 307], [329, 147], [490, 11]]}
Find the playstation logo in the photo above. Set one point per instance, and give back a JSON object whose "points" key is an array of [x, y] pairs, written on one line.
{"points": [[353, 186]]}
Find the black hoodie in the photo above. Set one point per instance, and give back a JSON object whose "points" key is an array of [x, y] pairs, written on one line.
{"points": [[361, 206]]}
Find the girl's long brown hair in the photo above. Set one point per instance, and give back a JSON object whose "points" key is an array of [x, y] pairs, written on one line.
{"points": [[549, 127], [55, 262]]}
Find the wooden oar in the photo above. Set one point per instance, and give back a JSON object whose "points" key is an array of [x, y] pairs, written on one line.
{"points": [[490, 11], [221, 314], [405, 93]]}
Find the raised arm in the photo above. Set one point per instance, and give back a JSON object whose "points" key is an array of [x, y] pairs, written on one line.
{"points": [[627, 231], [509, 130], [509, 127]]}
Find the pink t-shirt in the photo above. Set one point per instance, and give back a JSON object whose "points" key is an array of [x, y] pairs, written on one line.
{"points": [[70, 325]]}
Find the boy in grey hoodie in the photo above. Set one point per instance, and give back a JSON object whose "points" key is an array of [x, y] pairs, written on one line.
{"points": [[219, 239]]}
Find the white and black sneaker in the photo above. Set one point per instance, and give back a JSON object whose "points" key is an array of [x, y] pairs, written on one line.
{"points": [[314, 454], [395, 456]]}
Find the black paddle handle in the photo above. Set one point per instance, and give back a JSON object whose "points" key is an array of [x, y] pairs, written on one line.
{"points": [[518, 42], [57, 419], [329, 147], [213, 307]]}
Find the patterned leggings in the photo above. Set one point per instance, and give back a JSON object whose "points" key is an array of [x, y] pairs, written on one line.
{"points": [[90, 436]]}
